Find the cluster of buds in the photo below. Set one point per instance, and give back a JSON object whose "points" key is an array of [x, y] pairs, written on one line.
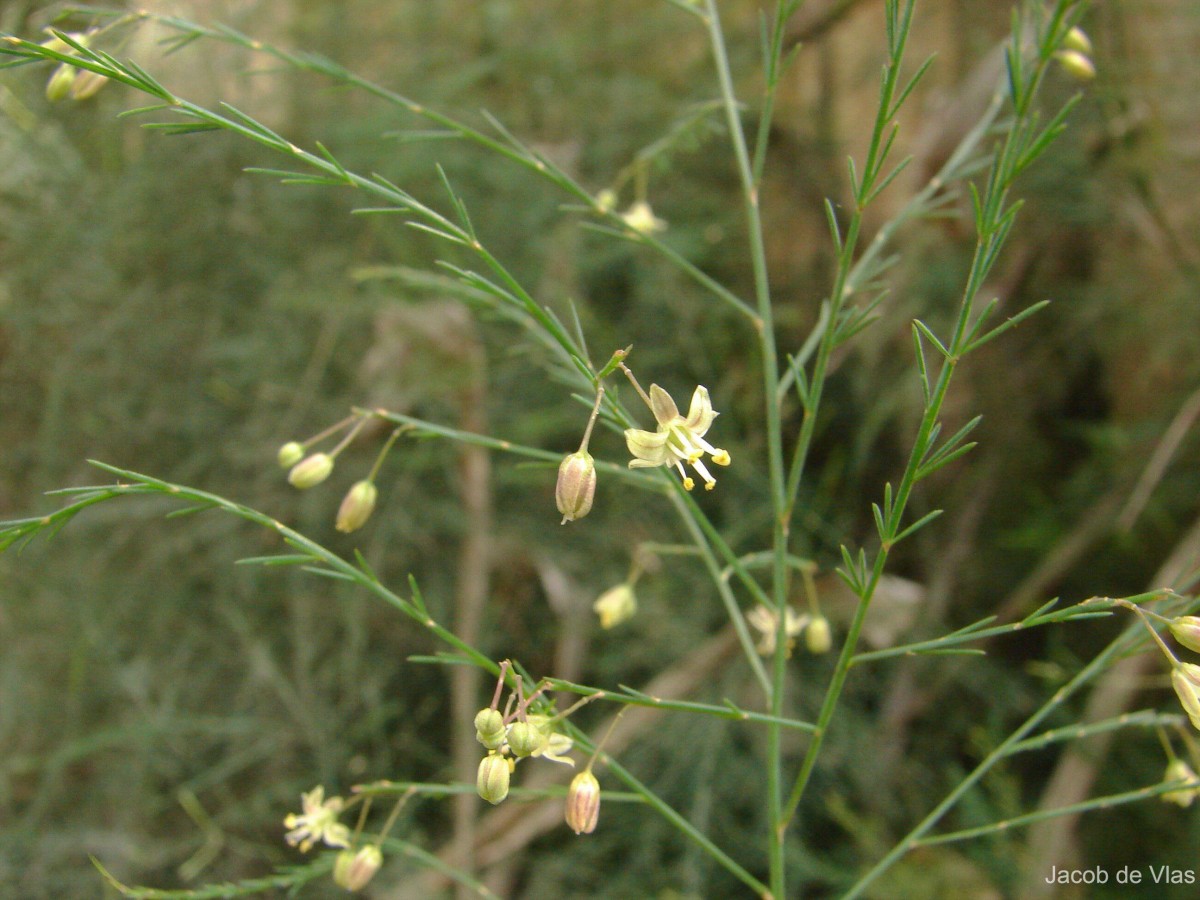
{"points": [[307, 470], [514, 735], [1185, 677], [1075, 55], [517, 734]]}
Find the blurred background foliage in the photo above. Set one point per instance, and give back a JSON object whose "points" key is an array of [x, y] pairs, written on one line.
{"points": [[163, 310]]}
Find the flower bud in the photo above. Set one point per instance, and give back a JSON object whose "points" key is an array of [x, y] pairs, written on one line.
{"points": [[1078, 65], [1185, 678], [356, 506], [1077, 39], [491, 782], [583, 803], [311, 471], [1187, 631], [818, 637], [1176, 771], [60, 83], [353, 869], [576, 486], [616, 605], [489, 728], [87, 85], [606, 200], [525, 738], [290, 454]]}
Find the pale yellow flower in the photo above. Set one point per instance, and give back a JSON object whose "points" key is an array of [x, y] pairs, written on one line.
{"points": [[317, 822], [616, 605], [641, 218], [677, 440], [767, 622]]}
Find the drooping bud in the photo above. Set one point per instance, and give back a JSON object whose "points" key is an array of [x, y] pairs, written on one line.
{"points": [[87, 85], [576, 486], [1176, 771], [583, 803], [1187, 631], [818, 637], [356, 506], [1078, 65], [489, 728], [311, 471], [353, 869], [1185, 678], [616, 605], [60, 83], [1077, 39], [491, 782], [290, 454], [525, 738]]}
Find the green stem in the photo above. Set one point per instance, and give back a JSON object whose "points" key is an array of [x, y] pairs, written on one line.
{"points": [[914, 838], [770, 377]]}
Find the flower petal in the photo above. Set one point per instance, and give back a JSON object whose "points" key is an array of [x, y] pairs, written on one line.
{"points": [[663, 407], [648, 447], [700, 413]]}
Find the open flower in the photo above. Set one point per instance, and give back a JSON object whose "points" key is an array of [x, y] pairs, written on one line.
{"points": [[641, 218], [317, 822], [677, 440], [554, 745], [767, 622], [616, 605]]}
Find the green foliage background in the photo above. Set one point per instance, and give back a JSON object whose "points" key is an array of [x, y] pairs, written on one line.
{"points": [[162, 310]]}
